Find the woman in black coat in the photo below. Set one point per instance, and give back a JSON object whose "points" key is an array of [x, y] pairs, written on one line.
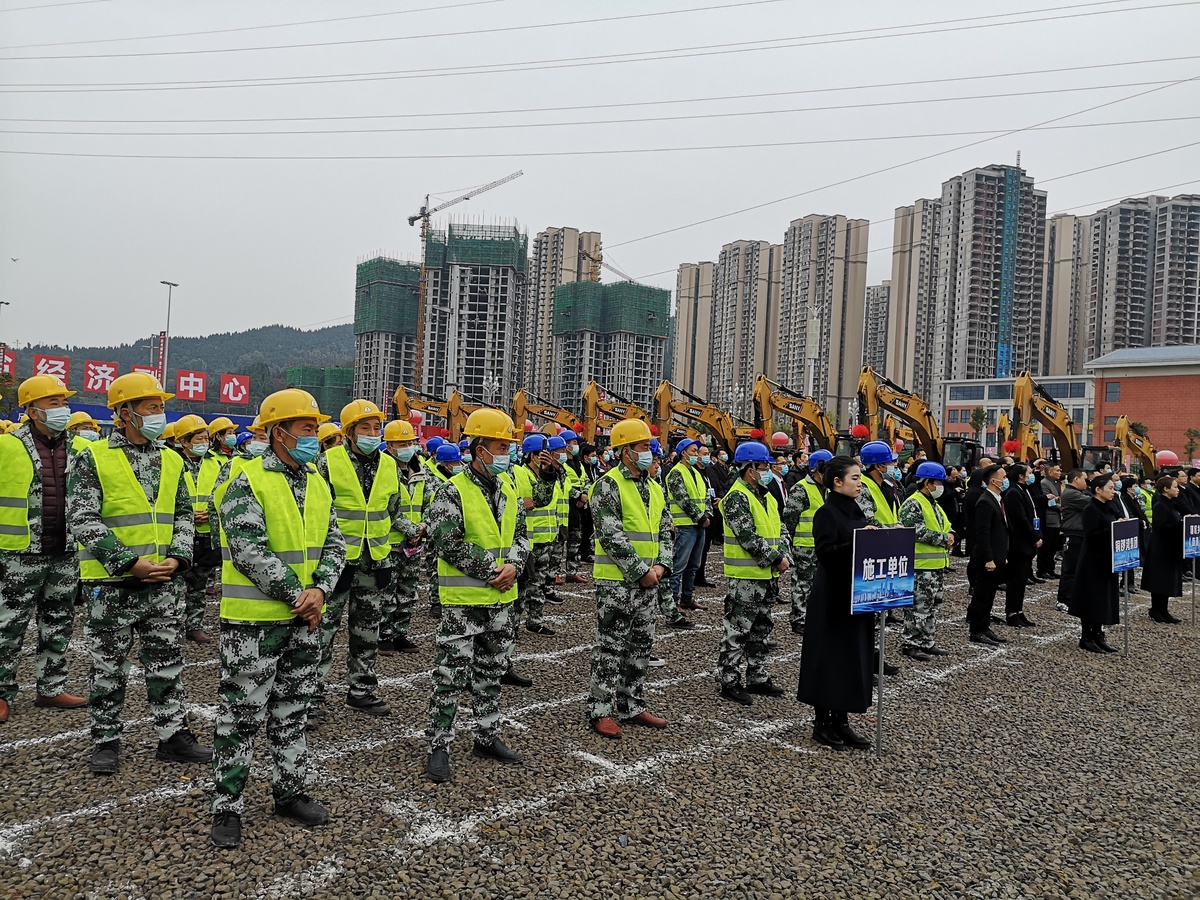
{"points": [[836, 658], [1095, 595], [1163, 575], [1023, 542]]}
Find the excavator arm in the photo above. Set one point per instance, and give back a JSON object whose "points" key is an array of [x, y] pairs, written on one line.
{"points": [[453, 410], [1136, 446], [523, 409], [718, 422], [771, 397], [597, 403], [1031, 402], [876, 392]]}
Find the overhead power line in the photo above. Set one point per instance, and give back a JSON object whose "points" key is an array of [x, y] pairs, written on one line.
{"points": [[707, 50], [52, 5]]}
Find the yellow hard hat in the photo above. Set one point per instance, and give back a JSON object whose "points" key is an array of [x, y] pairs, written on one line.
{"points": [[41, 386], [489, 423], [6, 426], [189, 424], [399, 430], [357, 410], [221, 423], [326, 431], [82, 418], [629, 431], [134, 386], [169, 431], [290, 403]]}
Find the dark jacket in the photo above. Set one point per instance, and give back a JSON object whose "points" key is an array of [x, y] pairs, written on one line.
{"points": [[1095, 596], [1020, 511], [1164, 563], [975, 490], [1189, 500], [1051, 513], [835, 660], [1074, 502], [991, 532]]}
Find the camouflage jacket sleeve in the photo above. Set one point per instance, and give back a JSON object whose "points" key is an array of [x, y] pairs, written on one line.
{"points": [[450, 539], [244, 527], [519, 555], [866, 504], [677, 493], [911, 516], [333, 558], [666, 541], [84, 498], [739, 518], [610, 530], [401, 522], [183, 533], [543, 490], [793, 509]]}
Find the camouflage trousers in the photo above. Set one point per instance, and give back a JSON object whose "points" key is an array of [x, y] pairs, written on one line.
{"points": [[195, 585], [268, 672], [920, 619], [531, 597], [366, 602], [431, 577], [42, 586], [745, 629], [805, 569], [116, 618], [578, 539], [668, 603], [473, 648], [624, 638], [397, 615]]}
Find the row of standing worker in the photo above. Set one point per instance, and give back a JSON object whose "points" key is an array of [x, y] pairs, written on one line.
{"points": [[311, 523]]}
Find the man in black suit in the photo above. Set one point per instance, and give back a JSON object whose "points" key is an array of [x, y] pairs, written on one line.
{"points": [[989, 550], [975, 490]]}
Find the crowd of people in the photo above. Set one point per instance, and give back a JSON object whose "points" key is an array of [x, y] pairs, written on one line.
{"points": [[300, 524]]}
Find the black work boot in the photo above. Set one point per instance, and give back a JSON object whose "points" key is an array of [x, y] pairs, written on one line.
{"points": [[512, 678], [303, 809], [850, 737], [826, 732], [437, 769], [226, 830], [497, 750], [104, 758], [183, 747]]}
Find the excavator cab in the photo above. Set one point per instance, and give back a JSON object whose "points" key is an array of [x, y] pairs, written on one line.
{"points": [[1093, 457], [961, 453], [845, 445]]}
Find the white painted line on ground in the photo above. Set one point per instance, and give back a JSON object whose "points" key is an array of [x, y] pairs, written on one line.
{"points": [[206, 712], [594, 759], [300, 884]]}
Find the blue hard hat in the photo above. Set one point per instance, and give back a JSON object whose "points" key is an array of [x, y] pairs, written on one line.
{"points": [[684, 445], [448, 453], [244, 438], [655, 447], [875, 452], [752, 452], [819, 456], [556, 443], [535, 443], [568, 436], [464, 444], [433, 443], [932, 470]]}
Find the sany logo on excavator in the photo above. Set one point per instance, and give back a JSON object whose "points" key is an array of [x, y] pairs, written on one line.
{"points": [[694, 411], [900, 403]]}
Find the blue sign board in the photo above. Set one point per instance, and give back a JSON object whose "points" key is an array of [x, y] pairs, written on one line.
{"points": [[1191, 537], [1125, 553], [884, 577]]}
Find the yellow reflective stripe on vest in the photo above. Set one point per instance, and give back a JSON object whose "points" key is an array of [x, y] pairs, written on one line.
{"points": [[125, 510], [804, 527], [297, 542], [931, 556], [201, 489], [1148, 502], [457, 588], [696, 490], [363, 521], [884, 513], [16, 481], [639, 524], [738, 561]]}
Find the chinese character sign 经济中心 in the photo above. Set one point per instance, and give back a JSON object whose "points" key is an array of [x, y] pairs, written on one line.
{"points": [[1126, 555], [1191, 537], [884, 576]]}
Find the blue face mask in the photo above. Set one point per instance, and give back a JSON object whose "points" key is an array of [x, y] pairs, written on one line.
{"points": [[895, 474], [367, 443], [500, 464], [456, 470], [514, 453], [783, 470], [153, 426], [230, 440], [56, 419], [1004, 487], [306, 449], [724, 457], [405, 454], [765, 478], [1029, 478], [466, 457], [645, 459]]}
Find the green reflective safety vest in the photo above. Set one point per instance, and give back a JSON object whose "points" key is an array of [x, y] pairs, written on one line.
{"points": [[297, 541], [542, 522], [885, 514], [79, 444], [411, 504], [1148, 500], [457, 588], [522, 481], [804, 535], [696, 489], [201, 489], [562, 499], [143, 529], [931, 556], [364, 521], [639, 523], [16, 480], [738, 561]]}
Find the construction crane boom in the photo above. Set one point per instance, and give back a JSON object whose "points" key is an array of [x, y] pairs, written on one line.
{"points": [[422, 216]]}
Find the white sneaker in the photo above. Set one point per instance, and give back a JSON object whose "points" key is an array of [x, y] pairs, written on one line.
{"points": [[1062, 607], [656, 662]]}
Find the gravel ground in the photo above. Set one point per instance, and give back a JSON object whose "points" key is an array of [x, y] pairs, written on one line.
{"points": [[1034, 770]]}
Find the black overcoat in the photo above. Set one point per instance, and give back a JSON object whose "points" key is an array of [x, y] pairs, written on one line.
{"points": [[1164, 566], [1095, 595]]}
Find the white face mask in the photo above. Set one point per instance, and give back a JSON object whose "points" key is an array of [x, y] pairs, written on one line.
{"points": [[198, 450], [88, 435], [936, 493]]}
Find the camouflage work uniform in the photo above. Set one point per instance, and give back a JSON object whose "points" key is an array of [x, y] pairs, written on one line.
{"points": [[41, 579], [747, 624], [531, 600], [473, 642], [920, 625], [197, 582], [366, 587], [624, 609], [124, 608], [406, 570], [433, 484], [268, 669], [579, 482], [804, 559]]}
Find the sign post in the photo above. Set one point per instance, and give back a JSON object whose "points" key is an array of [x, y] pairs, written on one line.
{"points": [[1191, 550], [884, 578], [1125, 558]]}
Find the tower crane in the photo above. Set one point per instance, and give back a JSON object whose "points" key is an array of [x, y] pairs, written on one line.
{"points": [[423, 215]]}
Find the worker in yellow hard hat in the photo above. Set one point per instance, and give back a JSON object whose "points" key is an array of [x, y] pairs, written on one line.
{"points": [[38, 572], [477, 523], [202, 473], [365, 485], [222, 436], [400, 442], [330, 436], [82, 430], [131, 513], [634, 551], [283, 554]]}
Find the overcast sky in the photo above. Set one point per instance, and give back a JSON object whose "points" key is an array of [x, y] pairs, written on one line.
{"points": [[260, 241]]}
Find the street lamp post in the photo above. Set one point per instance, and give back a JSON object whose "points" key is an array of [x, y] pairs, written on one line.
{"points": [[171, 285]]}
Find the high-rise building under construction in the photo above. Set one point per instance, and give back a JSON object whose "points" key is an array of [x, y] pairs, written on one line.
{"points": [[385, 327]]}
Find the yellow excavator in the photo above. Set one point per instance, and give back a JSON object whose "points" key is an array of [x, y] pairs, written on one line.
{"points": [[1031, 402], [597, 403], [453, 410], [771, 397], [522, 409], [878, 394], [1138, 447], [719, 423]]}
